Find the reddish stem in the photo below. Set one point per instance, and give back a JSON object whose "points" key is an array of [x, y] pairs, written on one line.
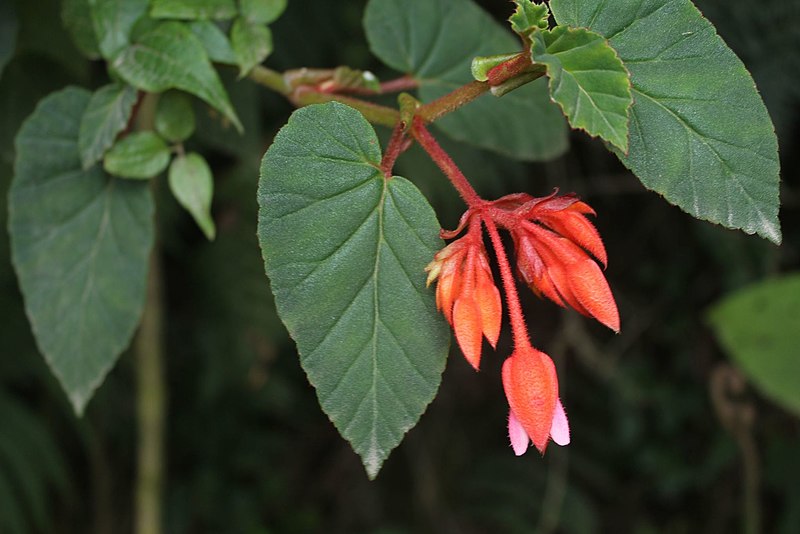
{"points": [[395, 147], [452, 101], [518, 327], [509, 69], [446, 164]]}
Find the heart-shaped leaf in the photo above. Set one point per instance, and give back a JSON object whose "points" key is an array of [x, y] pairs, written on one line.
{"points": [[80, 242], [699, 132], [345, 248]]}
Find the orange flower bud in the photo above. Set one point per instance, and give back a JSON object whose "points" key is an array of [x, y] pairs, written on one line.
{"points": [[555, 243], [466, 294], [536, 413]]}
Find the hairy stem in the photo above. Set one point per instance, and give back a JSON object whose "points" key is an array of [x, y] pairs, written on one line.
{"points": [[393, 149], [518, 328], [446, 164], [151, 407]]}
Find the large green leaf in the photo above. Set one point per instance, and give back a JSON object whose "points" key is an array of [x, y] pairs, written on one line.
{"points": [[345, 249], [171, 57], [435, 41], [759, 327], [588, 81], [8, 32], [113, 21], [193, 9], [80, 242], [106, 116], [699, 132]]}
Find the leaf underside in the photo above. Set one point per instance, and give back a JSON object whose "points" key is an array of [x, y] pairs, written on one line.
{"points": [[345, 250], [80, 243], [699, 132]]}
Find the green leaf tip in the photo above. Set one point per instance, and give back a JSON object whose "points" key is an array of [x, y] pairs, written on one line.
{"points": [[588, 80], [529, 17]]}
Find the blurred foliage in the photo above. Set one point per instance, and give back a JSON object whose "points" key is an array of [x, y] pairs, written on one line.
{"points": [[249, 450]]}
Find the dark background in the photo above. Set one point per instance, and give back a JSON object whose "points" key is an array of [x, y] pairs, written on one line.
{"points": [[250, 451]]}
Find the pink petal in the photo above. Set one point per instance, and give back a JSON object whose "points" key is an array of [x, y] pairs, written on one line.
{"points": [[519, 438], [560, 429]]}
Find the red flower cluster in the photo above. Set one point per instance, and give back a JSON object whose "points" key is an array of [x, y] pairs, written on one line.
{"points": [[557, 251], [553, 241]]}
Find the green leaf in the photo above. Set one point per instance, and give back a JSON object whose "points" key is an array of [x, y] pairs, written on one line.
{"points": [[759, 328], [588, 81], [77, 18], [192, 185], [435, 41], [529, 17], [140, 155], [216, 43], [80, 242], [174, 117], [171, 57], [699, 132], [251, 42], [113, 21], [108, 112], [193, 9], [262, 11], [345, 249]]}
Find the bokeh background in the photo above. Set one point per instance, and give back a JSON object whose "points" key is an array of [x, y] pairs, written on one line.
{"points": [[667, 434]]}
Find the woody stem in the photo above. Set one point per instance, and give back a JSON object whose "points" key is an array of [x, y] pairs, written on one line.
{"points": [[446, 164], [518, 327]]}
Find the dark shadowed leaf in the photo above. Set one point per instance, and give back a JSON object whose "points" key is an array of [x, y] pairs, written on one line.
{"points": [[759, 327], [80, 242]]}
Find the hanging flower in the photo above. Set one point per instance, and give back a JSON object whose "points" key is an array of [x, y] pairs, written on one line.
{"points": [[536, 413], [558, 251], [466, 293]]}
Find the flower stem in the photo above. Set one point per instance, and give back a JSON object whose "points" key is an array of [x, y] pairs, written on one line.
{"points": [[518, 327], [270, 79], [446, 164]]}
